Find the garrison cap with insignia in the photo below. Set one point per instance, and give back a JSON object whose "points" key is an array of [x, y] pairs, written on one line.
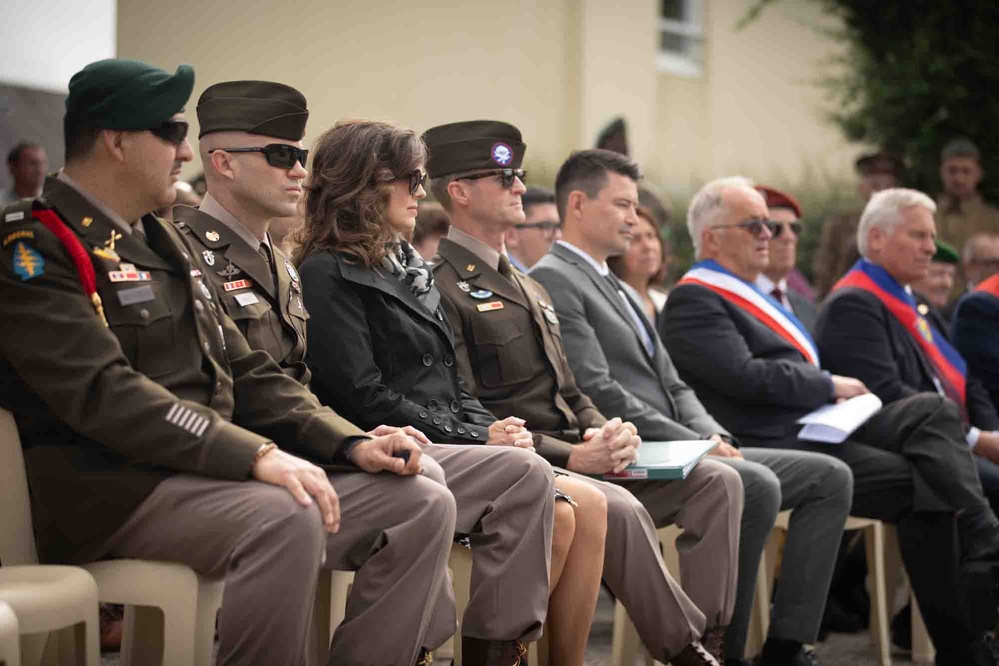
{"points": [[473, 145], [121, 94], [256, 107]]}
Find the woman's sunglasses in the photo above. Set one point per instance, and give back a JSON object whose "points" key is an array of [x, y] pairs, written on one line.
{"points": [[171, 131], [507, 176], [417, 179], [279, 155]]}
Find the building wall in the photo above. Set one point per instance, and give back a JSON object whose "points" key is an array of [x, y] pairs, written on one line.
{"points": [[558, 69]]}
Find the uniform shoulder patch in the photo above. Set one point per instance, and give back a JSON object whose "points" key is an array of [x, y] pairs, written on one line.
{"points": [[28, 263]]}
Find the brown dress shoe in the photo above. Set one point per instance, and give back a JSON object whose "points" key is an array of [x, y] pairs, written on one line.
{"points": [[480, 652], [426, 657], [694, 655]]}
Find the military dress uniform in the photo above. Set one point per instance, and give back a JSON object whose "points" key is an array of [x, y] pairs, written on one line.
{"points": [[257, 284], [509, 355], [142, 412]]}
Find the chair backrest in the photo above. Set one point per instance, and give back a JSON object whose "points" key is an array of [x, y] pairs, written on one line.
{"points": [[17, 540]]}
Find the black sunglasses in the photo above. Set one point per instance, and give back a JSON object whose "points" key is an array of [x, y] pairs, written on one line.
{"points": [[417, 179], [279, 155], [779, 228], [506, 175], [754, 227], [171, 131], [547, 229]]}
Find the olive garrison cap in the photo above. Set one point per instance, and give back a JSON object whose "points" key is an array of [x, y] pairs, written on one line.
{"points": [[473, 145], [883, 161], [256, 107], [122, 94]]}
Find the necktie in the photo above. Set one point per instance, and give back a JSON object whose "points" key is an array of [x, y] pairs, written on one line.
{"points": [[778, 295], [265, 252], [637, 316], [505, 269]]}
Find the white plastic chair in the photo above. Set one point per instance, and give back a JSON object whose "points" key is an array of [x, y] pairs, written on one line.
{"points": [[169, 609], [10, 645]]}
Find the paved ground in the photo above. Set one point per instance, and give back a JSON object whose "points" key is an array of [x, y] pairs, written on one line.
{"points": [[837, 650]]}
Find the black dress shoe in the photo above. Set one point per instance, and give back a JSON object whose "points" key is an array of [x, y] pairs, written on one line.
{"points": [[802, 657], [693, 655], [480, 652]]}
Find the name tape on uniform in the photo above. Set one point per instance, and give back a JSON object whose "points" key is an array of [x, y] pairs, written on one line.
{"points": [[488, 307]]}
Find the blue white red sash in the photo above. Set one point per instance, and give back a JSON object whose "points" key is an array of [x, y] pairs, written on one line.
{"points": [[747, 296], [947, 362], [990, 286]]}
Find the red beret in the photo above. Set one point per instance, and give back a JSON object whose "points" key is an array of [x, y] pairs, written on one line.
{"points": [[778, 199]]}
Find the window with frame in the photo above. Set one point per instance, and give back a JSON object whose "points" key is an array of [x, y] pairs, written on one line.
{"points": [[681, 37]]}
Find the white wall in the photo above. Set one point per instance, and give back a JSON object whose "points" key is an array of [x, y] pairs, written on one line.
{"points": [[47, 41]]}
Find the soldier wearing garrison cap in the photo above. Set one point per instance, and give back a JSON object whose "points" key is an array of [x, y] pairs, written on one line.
{"points": [[508, 337], [151, 429]]}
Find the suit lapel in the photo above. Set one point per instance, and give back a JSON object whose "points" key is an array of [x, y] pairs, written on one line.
{"points": [[226, 247], [97, 230], [605, 288]]}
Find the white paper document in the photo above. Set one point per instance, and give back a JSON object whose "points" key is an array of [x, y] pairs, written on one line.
{"points": [[834, 423]]}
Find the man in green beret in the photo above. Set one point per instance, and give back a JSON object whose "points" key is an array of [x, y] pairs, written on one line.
{"points": [[152, 430], [933, 289]]}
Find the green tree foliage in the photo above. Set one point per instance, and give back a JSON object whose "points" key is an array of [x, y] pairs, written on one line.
{"points": [[916, 74]]}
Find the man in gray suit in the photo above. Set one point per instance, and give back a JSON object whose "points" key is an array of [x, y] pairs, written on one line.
{"points": [[619, 361]]}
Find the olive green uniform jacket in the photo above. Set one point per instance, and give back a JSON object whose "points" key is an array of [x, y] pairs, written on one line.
{"points": [[508, 349], [266, 304], [168, 386]]}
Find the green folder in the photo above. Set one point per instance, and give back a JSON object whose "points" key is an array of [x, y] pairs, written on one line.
{"points": [[670, 461]]}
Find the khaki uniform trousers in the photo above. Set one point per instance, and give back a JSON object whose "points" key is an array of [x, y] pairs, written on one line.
{"points": [[666, 619], [396, 533], [707, 505]]}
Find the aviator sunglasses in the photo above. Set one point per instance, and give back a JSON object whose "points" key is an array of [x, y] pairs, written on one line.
{"points": [[171, 131], [778, 228], [507, 176], [754, 227], [279, 155]]}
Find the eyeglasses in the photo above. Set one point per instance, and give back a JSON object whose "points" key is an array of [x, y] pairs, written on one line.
{"points": [[171, 131], [547, 229], [279, 155], [754, 227], [507, 176], [778, 228], [417, 179]]}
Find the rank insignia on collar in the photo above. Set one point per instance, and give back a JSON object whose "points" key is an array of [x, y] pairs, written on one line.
{"points": [[213, 236], [229, 271], [87, 221], [481, 294], [489, 307], [550, 316], [28, 263], [209, 257], [464, 286], [469, 268]]}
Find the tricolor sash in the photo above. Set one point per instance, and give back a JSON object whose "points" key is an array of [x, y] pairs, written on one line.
{"points": [[763, 307], [947, 363], [989, 286]]}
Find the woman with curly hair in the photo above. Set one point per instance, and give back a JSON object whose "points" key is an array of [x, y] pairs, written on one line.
{"points": [[381, 349]]}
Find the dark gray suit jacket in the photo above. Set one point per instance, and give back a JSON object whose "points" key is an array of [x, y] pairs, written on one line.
{"points": [[607, 356], [804, 310]]}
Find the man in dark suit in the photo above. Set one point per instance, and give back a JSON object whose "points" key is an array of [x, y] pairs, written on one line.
{"points": [[785, 211], [619, 361], [906, 470], [976, 334]]}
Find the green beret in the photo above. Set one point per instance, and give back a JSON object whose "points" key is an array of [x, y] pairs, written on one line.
{"points": [[473, 145], [121, 94], [256, 107], [946, 254]]}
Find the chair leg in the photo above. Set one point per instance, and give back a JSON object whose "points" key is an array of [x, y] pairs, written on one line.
{"points": [[759, 620], [209, 602], [626, 646], [317, 651], [142, 637], [875, 544]]}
